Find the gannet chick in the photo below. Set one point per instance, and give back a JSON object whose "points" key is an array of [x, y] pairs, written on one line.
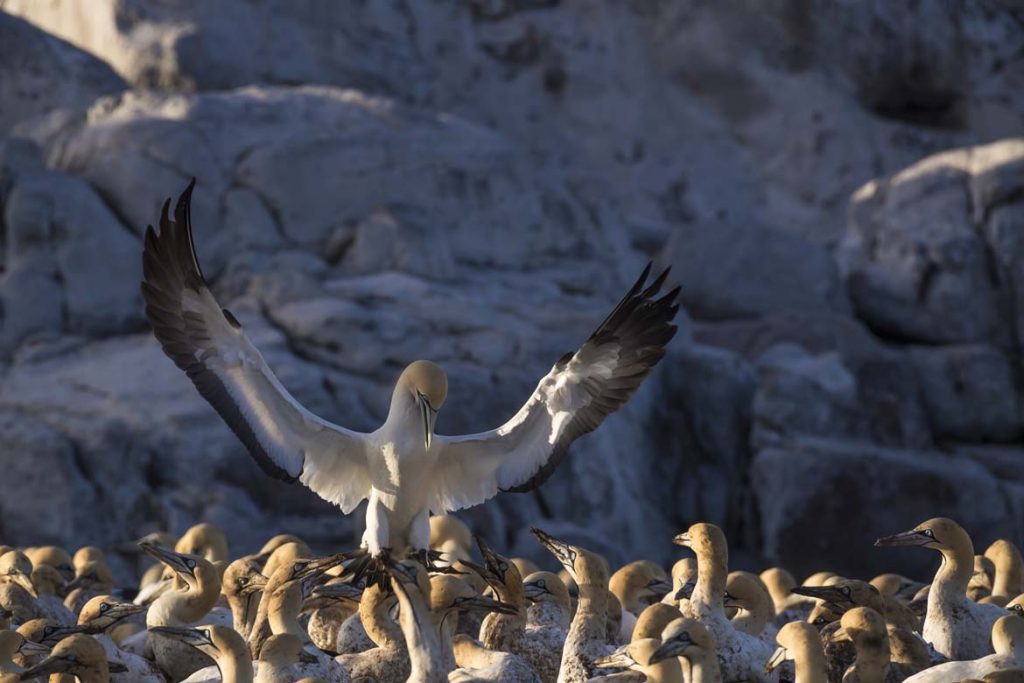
{"points": [[78, 655], [16, 568], [956, 627], [222, 645], [799, 643], [587, 638], [478, 664], [283, 660], [1008, 565], [690, 640], [866, 629], [636, 656], [547, 622], [653, 620], [451, 595], [844, 594], [1008, 643], [181, 607], [48, 583], [55, 557], [752, 602], [294, 573], [346, 467], [388, 661], [14, 644], [638, 584], [99, 616], [242, 586], [741, 656], [204, 540]]}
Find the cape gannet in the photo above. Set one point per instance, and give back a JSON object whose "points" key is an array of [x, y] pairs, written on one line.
{"points": [[749, 597], [284, 659], [16, 568], [48, 584], [865, 628], [799, 643], [242, 585], [1007, 641], [422, 637], [78, 655], [845, 594], [638, 584], [54, 556], [741, 656], [587, 638], [547, 622], [684, 578], [403, 468], [204, 540], [956, 627], [695, 644], [636, 656], [223, 645]]}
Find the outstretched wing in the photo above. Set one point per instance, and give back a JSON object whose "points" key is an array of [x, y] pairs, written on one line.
{"points": [[208, 343], [573, 399]]}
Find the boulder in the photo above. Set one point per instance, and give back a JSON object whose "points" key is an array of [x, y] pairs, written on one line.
{"points": [[823, 503], [40, 73], [917, 248]]}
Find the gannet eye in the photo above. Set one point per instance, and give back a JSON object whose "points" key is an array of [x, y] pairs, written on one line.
{"points": [[191, 564], [929, 533], [845, 590], [104, 607], [503, 566], [542, 583]]}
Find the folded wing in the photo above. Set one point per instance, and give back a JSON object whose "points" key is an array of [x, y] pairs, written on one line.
{"points": [[208, 343], [577, 394]]}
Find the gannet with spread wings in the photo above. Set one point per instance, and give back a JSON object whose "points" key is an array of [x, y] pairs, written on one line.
{"points": [[403, 468]]}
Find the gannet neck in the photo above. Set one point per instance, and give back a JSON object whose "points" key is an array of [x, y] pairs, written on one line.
{"points": [[373, 612], [866, 628], [708, 542], [283, 610], [421, 635], [802, 644], [703, 668], [233, 658]]}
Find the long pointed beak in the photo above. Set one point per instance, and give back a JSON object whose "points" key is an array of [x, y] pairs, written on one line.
{"points": [[841, 634], [682, 539], [32, 649], [670, 648], [907, 538], [776, 660], [485, 604], [25, 582], [659, 588], [172, 559], [685, 591], [428, 418], [826, 593], [619, 659], [562, 551], [50, 665]]}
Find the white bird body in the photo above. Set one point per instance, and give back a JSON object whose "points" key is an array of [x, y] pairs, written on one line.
{"points": [[402, 468]]}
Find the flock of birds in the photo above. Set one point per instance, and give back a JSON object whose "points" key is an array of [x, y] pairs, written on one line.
{"points": [[466, 613]]}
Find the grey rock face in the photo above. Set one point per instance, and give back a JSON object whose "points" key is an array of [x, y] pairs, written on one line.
{"points": [[476, 183], [40, 73]]}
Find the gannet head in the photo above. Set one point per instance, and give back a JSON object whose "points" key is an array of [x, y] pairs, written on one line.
{"points": [[47, 632], [546, 587], [1016, 606], [683, 638], [451, 536], [1008, 635], [684, 579], [204, 540], [939, 533], [202, 638], [703, 538], [497, 570], [842, 594], [55, 557], [791, 637], [653, 620], [75, 654], [13, 643], [633, 655], [190, 568], [449, 593], [426, 385], [584, 566], [16, 568], [641, 582], [102, 612], [242, 578]]}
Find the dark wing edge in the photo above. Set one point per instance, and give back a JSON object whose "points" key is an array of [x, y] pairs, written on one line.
{"points": [[641, 326], [170, 268]]}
